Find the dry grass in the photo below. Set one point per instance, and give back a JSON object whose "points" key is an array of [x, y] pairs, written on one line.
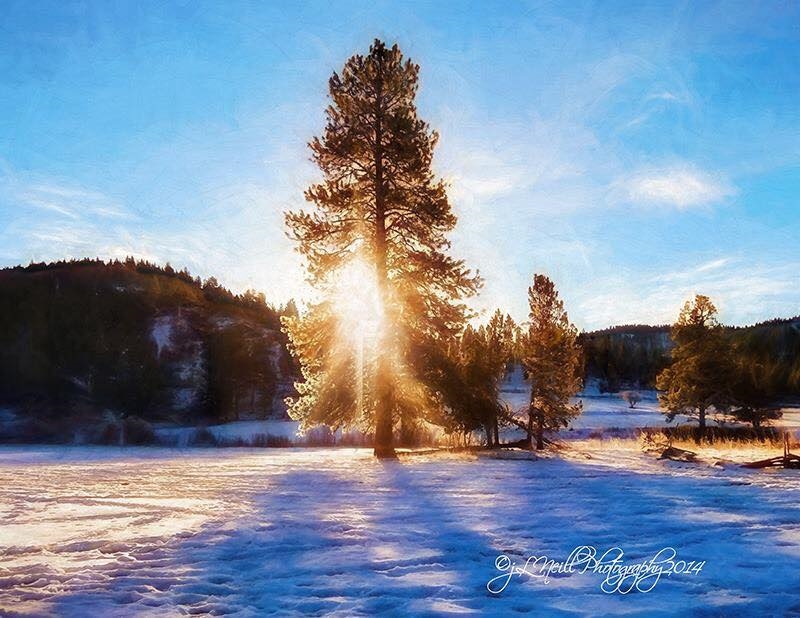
{"points": [[735, 450]]}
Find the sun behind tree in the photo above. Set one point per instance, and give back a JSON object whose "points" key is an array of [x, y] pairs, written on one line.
{"points": [[379, 212]]}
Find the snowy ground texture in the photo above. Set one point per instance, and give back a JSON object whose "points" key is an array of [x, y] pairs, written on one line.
{"points": [[144, 531]]}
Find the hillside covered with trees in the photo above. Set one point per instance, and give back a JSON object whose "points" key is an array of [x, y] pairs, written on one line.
{"points": [[83, 341], [626, 356], [632, 356]]}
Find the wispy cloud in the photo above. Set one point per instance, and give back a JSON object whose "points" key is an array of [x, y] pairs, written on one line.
{"points": [[682, 187], [656, 103], [52, 206], [690, 274], [664, 95], [56, 196], [712, 265]]}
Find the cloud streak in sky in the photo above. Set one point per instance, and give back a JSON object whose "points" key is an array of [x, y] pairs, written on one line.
{"points": [[682, 187]]}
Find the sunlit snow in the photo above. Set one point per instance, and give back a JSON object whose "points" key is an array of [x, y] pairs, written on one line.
{"points": [[108, 531]]}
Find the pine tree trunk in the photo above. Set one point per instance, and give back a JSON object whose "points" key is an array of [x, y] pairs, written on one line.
{"points": [[496, 432], [383, 414], [701, 428], [540, 431], [488, 430], [530, 428]]}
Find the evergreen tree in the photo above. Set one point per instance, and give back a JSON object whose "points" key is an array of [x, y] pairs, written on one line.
{"points": [[472, 397], [699, 377], [471, 382], [379, 206], [500, 335], [552, 359], [751, 400]]}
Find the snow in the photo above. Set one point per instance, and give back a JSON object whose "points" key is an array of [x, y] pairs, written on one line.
{"points": [[602, 412], [119, 531], [255, 433], [161, 332], [246, 431], [110, 531]]}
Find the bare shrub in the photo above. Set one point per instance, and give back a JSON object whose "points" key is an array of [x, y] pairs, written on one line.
{"points": [[632, 398]]}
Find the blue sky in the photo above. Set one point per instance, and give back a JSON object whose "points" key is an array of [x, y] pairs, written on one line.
{"points": [[637, 153]]}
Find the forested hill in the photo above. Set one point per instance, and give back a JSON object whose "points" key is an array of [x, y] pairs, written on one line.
{"points": [[631, 356], [626, 356], [82, 340]]}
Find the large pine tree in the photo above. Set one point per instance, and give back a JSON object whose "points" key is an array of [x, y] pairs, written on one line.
{"points": [[552, 359], [380, 217]]}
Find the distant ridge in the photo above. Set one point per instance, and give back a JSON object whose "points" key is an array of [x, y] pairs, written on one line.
{"points": [[84, 339]]}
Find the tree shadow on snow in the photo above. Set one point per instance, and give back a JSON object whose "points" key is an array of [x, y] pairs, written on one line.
{"points": [[421, 537]]}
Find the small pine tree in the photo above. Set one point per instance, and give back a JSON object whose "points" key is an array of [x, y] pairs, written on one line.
{"points": [[476, 402], [471, 384], [552, 359], [752, 402], [500, 335], [699, 377]]}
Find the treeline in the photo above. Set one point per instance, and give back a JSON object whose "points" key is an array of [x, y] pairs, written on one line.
{"points": [[86, 340], [210, 289], [772, 350], [624, 357]]}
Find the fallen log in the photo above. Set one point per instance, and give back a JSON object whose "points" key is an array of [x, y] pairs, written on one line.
{"points": [[787, 460], [679, 454], [508, 454]]}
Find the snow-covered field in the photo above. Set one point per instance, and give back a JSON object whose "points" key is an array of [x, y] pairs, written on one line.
{"points": [[600, 410], [606, 411], [108, 531]]}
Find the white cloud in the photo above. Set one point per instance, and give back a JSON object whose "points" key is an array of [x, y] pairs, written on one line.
{"points": [[683, 187], [33, 200], [664, 95], [691, 274], [56, 196], [712, 265]]}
